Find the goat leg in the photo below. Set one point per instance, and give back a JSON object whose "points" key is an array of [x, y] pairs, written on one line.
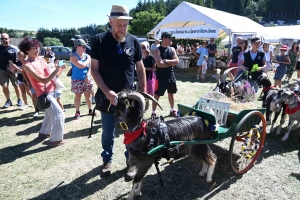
{"points": [[204, 169], [280, 126], [132, 192], [286, 136]]}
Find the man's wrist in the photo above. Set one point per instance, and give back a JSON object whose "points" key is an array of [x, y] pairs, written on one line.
{"points": [[165, 61]]}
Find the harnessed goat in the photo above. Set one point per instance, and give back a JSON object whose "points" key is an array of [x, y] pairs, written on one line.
{"points": [[142, 135]]}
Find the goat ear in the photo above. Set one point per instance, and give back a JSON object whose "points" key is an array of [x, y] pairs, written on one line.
{"points": [[150, 97]]}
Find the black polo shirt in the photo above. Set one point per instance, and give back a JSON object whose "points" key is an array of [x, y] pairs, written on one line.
{"points": [[116, 64]]}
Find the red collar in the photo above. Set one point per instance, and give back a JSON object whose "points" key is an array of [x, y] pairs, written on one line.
{"points": [[131, 136], [268, 88], [292, 110]]}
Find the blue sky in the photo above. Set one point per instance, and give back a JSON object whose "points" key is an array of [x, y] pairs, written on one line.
{"points": [[34, 14]]}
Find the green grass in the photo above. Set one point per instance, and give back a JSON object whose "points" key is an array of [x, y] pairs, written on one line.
{"points": [[32, 170]]}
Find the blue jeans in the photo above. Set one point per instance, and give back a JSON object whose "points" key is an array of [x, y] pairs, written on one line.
{"points": [[108, 136]]}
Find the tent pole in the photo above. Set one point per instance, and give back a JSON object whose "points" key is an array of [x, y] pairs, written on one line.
{"points": [[229, 47]]}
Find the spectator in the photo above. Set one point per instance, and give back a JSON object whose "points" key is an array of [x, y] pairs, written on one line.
{"points": [[165, 58], [149, 64], [204, 67], [40, 78], [115, 55], [298, 64], [154, 46], [8, 53], [187, 48], [211, 61], [251, 58], [283, 60], [233, 58], [81, 77], [200, 53], [49, 55], [269, 56], [180, 49], [20, 79], [293, 58], [74, 39]]}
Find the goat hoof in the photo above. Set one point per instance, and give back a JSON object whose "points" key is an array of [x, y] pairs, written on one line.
{"points": [[284, 139], [202, 175]]}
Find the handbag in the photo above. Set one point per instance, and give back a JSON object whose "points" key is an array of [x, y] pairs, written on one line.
{"points": [[69, 72], [43, 101], [102, 103], [151, 83]]}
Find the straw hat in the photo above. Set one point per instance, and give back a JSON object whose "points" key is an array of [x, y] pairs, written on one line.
{"points": [[119, 12]]}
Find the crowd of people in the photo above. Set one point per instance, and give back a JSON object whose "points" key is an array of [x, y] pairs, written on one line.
{"points": [[114, 62]]}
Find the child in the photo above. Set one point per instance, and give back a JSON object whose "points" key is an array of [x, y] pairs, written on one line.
{"points": [[283, 60], [204, 67]]}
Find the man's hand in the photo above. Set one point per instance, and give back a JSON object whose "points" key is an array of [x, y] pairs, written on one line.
{"points": [[112, 97]]}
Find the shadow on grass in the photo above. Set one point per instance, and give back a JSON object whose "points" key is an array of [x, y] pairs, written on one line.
{"points": [[31, 129], [81, 188], [10, 154]]}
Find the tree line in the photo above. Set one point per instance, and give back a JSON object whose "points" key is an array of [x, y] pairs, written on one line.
{"points": [[148, 13]]}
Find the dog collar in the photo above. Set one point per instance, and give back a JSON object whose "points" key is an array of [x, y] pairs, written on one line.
{"points": [[131, 136]]}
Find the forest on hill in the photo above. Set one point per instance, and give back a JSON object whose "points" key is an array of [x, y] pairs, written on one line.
{"points": [[148, 13]]}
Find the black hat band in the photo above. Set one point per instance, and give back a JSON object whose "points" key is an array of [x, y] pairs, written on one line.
{"points": [[119, 14]]}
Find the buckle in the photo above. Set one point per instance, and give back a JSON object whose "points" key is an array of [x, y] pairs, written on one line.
{"points": [[123, 126]]}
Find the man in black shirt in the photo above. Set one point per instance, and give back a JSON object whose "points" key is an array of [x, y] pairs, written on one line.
{"points": [[165, 58], [212, 50], [8, 53], [115, 54]]}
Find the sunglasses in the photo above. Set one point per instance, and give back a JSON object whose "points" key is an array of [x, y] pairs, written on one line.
{"points": [[143, 47], [242, 42], [119, 49], [4, 38]]}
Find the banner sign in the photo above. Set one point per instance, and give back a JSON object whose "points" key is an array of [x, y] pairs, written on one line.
{"points": [[190, 32]]}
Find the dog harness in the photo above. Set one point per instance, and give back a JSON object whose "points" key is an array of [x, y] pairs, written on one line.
{"points": [[292, 110]]}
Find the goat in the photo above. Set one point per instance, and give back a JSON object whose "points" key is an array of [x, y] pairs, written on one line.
{"points": [[268, 102], [143, 135], [293, 110]]}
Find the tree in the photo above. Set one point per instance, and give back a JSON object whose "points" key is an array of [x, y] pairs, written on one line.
{"points": [[144, 22], [52, 42], [28, 34], [251, 10]]}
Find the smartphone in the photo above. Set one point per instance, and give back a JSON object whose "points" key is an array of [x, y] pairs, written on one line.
{"points": [[61, 63]]}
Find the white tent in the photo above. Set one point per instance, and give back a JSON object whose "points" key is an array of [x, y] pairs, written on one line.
{"points": [[274, 34], [190, 15]]}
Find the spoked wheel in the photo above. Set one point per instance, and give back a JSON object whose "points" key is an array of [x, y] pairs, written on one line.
{"points": [[247, 142]]}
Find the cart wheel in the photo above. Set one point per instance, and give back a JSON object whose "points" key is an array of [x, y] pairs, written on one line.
{"points": [[247, 142]]}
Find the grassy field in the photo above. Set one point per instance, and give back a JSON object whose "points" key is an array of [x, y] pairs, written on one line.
{"points": [[32, 170]]}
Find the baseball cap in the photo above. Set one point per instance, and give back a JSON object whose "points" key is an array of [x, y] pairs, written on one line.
{"points": [[166, 35], [284, 47], [80, 42], [76, 37]]}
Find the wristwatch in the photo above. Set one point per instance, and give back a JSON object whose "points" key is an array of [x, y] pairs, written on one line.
{"points": [[165, 61]]}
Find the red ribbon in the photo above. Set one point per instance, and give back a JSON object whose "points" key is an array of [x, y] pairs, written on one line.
{"points": [[292, 110], [268, 88], [131, 136]]}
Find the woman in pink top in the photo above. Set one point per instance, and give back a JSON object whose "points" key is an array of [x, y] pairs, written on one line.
{"points": [[41, 81]]}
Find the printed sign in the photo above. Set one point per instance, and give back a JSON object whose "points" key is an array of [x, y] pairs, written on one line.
{"points": [[190, 32], [287, 41]]}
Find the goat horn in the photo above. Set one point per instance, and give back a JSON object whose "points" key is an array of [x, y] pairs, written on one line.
{"points": [[150, 97], [138, 97]]}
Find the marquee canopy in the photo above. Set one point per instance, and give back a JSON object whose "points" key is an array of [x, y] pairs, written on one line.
{"points": [[187, 15]]}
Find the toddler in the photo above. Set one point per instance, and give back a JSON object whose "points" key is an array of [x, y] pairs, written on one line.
{"points": [[204, 67]]}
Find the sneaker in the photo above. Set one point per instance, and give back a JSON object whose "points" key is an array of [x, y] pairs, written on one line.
{"points": [[36, 114], [173, 113], [7, 104], [92, 113], [77, 115], [24, 107], [93, 100], [213, 76], [106, 169], [20, 103]]}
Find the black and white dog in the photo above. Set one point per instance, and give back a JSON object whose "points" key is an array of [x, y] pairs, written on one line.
{"points": [[142, 135]]}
